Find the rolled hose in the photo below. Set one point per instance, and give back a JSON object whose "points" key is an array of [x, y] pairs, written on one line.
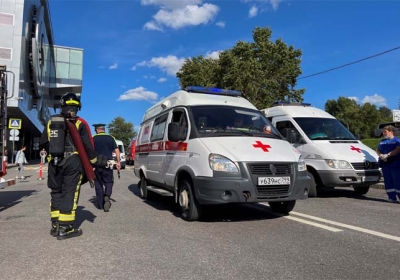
{"points": [[87, 166]]}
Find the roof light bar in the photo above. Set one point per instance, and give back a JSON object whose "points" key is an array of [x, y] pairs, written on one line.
{"points": [[288, 103], [217, 91]]}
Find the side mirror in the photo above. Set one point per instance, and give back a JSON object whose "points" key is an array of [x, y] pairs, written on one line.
{"points": [[173, 132]]}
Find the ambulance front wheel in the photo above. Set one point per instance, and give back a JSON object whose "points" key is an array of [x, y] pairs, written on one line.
{"points": [[312, 190], [143, 187], [189, 206]]}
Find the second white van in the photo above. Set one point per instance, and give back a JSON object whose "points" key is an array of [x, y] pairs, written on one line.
{"points": [[334, 157]]}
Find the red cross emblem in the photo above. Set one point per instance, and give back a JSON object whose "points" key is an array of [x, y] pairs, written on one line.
{"points": [[355, 149], [262, 146]]}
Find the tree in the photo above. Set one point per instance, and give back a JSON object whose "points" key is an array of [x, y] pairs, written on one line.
{"points": [[264, 71], [385, 114], [361, 120], [122, 130], [347, 111]]}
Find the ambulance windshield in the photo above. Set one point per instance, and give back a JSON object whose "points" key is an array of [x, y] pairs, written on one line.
{"points": [[324, 129], [232, 121]]}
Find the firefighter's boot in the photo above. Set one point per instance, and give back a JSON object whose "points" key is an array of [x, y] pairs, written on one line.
{"points": [[67, 231], [54, 228]]}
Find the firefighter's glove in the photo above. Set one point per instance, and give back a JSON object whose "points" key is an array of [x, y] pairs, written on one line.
{"points": [[110, 164], [102, 161]]}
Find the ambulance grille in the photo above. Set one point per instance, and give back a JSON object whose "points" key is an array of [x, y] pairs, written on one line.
{"points": [[270, 169], [364, 165], [273, 191]]}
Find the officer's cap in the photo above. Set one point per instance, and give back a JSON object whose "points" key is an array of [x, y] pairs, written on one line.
{"points": [[97, 125]]}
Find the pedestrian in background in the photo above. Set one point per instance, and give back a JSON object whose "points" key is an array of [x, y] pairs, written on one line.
{"points": [[20, 160], [389, 160], [105, 145]]}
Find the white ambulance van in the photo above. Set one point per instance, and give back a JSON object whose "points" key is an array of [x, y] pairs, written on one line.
{"points": [[334, 157], [211, 146]]}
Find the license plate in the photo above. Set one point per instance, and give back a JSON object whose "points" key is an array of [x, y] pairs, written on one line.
{"points": [[266, 181], [371, 178]]}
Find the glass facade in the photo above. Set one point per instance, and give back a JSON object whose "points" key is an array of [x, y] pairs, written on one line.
{"points": [[69, 65]]}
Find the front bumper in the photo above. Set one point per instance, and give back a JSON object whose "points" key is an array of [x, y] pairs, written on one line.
{"points": [[222, 189], [337, 178]]}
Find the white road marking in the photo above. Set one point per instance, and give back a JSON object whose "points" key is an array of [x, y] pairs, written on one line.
{"points": [[312, 224], [360, 229], [303, 221]]}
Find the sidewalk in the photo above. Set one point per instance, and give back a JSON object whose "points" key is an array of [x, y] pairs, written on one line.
{"points": [[31, 162]]}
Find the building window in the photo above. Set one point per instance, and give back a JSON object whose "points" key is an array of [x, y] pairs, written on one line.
{"points": [[62, 55], [75, 71], [76, 57], [62, 70]]}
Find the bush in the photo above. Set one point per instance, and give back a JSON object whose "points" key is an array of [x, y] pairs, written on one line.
{"points": [[372, 142]]}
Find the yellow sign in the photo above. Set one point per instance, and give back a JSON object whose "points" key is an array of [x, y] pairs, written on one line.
{"points": [[15, 123]]}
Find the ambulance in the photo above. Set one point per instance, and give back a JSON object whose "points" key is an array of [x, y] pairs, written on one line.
{"points": [[207, 146], [334, 157]]}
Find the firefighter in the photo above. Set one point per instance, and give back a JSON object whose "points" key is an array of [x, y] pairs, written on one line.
{"points": [[105, 145], [65, 169]]}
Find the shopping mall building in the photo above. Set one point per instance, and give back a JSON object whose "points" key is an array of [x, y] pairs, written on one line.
{"points": [[39, 71]]}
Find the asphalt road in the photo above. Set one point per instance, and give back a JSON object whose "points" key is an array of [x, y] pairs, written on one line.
{"points": [[336, 236]]}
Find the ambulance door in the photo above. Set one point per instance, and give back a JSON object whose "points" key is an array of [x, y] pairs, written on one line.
{"points": [[156, 150], [288, 130], [176, 151]]}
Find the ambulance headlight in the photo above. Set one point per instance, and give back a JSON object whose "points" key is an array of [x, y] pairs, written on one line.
{"points": [[301, 164], [220, 163], [338, 164]]}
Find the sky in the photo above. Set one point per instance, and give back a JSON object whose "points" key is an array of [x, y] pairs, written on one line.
{"points": [[133, 48]]}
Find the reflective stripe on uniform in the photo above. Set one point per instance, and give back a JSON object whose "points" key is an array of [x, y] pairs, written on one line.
{"points": [[54, 214], [71, 216]]}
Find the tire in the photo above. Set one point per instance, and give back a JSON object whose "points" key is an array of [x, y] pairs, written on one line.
{"points": [[123, 165], [361, 190], [144, 193], [282, 207], [312, 190], [190, 208]]}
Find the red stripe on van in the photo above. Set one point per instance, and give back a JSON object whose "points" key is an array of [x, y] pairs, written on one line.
{"points": [[161, 146], [175, 146]]}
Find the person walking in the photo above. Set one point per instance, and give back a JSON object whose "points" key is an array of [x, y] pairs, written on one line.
{"points": [[20, 160], [389, 160], [65, 169], [105, 145]]}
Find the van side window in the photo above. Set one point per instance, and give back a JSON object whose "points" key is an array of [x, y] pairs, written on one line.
{"points": [[158, 128], [285, 127], [144, 134], [179, 116]]}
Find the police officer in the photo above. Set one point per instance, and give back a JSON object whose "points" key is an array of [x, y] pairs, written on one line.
{"points": [[65, 170], [105, 145]]}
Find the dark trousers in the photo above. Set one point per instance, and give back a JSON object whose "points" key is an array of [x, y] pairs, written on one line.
{"points": [[65, 182], [391, 177], [103, 184]]}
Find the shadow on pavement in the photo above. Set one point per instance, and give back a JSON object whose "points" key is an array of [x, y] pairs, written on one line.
{"points": [[348, 193], [10, 198], [210, 214], [83, 215]]}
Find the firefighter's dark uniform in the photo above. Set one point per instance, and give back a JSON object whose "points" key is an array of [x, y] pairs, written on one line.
{"points": [[65, 178], [105, 145]]}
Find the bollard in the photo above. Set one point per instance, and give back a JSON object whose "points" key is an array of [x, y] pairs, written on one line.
{"points": [[40, 171]]}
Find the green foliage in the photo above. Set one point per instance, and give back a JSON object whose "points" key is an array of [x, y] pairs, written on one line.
{"points": [[361, 120], [122, 130], [264, 71], [372, 142]]}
